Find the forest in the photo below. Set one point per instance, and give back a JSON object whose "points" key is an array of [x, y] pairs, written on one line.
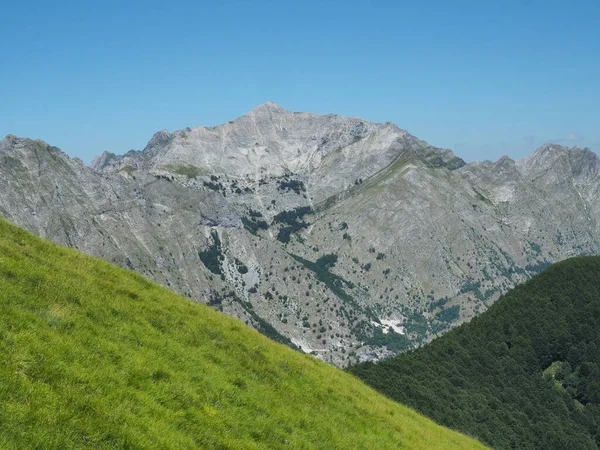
{"points": [[525, 374]]}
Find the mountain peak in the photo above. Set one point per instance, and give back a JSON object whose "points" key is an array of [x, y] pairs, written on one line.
{"points": [[11, 139], [576, 159], [158, 140], [549, 149], [269, 107], [550, 146], [100, 161], [546, 153]]}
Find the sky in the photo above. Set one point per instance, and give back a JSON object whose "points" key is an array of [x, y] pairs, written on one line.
{"points": [[483, 78]]}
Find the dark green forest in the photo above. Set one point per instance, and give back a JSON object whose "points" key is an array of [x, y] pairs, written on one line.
{"points": [[525, 374]]}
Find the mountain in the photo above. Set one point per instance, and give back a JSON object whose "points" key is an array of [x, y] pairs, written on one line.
{"points": [[94, 356], [347, 239], [525, 374]]}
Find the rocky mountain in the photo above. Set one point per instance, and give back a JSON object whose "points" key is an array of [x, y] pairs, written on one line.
{"points": [[348, 239]]}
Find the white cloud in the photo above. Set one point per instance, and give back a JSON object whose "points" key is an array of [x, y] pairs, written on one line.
{"points": [[572, 137]]}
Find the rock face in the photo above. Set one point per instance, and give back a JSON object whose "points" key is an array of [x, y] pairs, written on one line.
{"points": [[348, 239]]}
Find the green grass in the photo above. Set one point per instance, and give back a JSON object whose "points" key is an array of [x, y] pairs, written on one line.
{"points": [[373, 184], [93, 356], [186, 170]]}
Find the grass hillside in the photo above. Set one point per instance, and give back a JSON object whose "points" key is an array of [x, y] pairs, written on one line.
{"points": [[525, 374], [93, 356]]}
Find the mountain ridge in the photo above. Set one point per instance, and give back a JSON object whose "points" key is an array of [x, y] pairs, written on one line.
{"points": [[414, 240]]}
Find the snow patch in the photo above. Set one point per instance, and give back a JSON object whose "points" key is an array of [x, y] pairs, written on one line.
{"points": [[388, 324]]}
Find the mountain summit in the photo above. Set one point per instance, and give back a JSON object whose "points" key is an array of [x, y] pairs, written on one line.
{"points": [[270, 141], [268, 108], [345, 238]]}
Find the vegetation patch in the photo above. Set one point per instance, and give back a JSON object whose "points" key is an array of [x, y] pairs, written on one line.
{"points": [[291, 221], [254, 222], [241, 267], [215, 185], [444, 318], [186, 170], [482, 198], [535, 247], [417, 326], [433, 159], [335, 283], [538, 266], [371, 334], [291, 185], [438, 303], [469, 285], [448, 315], [213, 255]]}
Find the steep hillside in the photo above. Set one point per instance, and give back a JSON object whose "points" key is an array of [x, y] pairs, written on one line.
{"points": [[93, 356], [524, 374], [349, 239]]}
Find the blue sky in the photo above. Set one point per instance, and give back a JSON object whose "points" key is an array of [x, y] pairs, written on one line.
{"points": [[484, 78]]}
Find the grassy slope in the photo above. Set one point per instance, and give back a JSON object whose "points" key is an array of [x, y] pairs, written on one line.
{"points": [[497, 377], [95, 356]]}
